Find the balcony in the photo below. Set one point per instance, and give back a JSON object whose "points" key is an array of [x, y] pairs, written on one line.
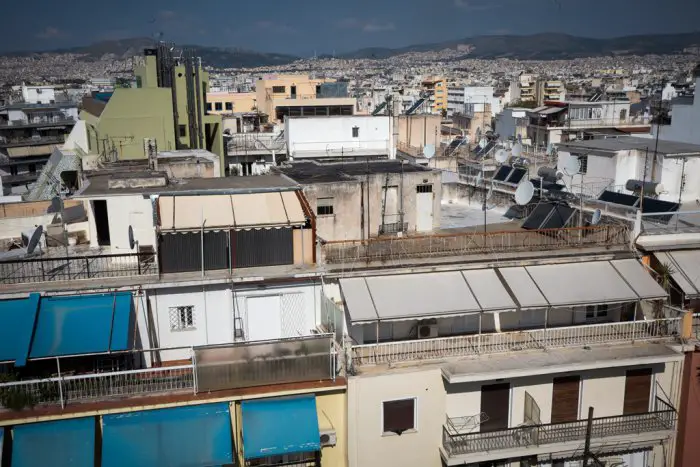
{"points": [[255, 143], [38, 122], [462, 244], [608, 433], [668, 329], [32, 141]]}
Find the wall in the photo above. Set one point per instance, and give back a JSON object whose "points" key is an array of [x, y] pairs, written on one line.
{"points": [[368, 446], [123, 211], [333, 136], [332, 415], [240, 102], [688, 449], [417, 130]]}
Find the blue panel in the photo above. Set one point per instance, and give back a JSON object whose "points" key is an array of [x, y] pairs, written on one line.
{"points": [[82, 324], [2, 433], [283, 425], [17, 317], [66, 443], [198, 435]]}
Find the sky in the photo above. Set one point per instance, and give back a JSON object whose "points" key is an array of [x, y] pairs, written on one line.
{"points": [[302, 27]]}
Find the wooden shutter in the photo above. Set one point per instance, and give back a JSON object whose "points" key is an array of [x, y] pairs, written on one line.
{"points": [[565, 396], [637, 391], [399, 416], [495, 402]]}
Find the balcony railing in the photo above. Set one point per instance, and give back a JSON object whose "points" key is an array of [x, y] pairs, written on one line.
{"points": [[15, 142], [54, 121], [49, 269], [526, 436], [248, 142], [491, 343], [386, 249]]}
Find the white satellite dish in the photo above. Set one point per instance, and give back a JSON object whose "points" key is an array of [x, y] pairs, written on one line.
{"points": [[596, 217], [483, 142], [572, 165], [501, 156], [659, 189], [429, 151], [517, 150], [560, 174], [524, 193], [34, 239]]}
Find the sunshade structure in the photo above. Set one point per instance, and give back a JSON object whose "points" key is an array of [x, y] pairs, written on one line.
{"points": [[685, 270], [63, 442]]}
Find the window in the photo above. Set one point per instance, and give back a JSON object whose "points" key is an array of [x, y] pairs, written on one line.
{"points": [[181, 318], [218, 106], [398, 416], [279, 89], [209, 106], [324, 206], [229, 106], [183, 130], [32, 168], [584, 164], [424, 189], [355, 132], [596, 312]]}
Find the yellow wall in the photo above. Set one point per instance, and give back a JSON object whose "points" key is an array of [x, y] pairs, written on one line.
{"points": [[440, 95], [241, 101], [306, 89]]}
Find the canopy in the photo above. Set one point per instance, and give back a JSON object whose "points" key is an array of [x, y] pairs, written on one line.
{"points": [[283, 425], [18, 318], [685, 269], [64, 442]]}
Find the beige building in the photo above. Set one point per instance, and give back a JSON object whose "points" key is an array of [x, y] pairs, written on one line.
{"points": [[226, 103], [414, 132]]}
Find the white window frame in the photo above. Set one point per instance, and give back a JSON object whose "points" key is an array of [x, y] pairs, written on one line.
{"points": [[415, 416], [176, 323], [325, 202]]}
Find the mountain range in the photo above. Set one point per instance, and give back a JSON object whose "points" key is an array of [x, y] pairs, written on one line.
{"points": [[545, 46]]}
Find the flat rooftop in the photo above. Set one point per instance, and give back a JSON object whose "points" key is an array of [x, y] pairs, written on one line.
{"points": [[308, 172], [98, 184], [623, 143]]}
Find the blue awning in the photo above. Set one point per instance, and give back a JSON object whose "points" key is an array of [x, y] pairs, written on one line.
{"points": [[283, 425], [83, 324], [64, 442], [197, 435], [2, 433], [17, 317]]}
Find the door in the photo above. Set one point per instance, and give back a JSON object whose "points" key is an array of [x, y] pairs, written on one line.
{"points": [[390, 200], [263, 318], [99, 207], [565, 395], [637, 391], [424, 208], [293, 92], [495, 402]]}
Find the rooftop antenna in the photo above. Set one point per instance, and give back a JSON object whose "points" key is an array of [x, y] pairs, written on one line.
{"points": [[429, 152], [524, 193], [597, 214], [517, 150], [34, 239], [501, 156], [132, 243]]}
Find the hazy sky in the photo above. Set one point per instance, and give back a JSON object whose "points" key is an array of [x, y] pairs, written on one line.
{"points": [[301, 26]]}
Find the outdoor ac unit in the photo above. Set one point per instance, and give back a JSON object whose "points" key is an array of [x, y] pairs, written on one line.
{"points": [[328, 438], [427, 331]]}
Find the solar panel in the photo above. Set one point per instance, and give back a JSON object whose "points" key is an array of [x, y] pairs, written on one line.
{"points": [[618, 198], [655, 205], [516, 175], [502, 173], [515, 212], [559, 217], [537, 216]]}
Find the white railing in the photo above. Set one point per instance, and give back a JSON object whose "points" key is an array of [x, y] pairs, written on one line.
{"points": [[480, 344], [80, 388]]}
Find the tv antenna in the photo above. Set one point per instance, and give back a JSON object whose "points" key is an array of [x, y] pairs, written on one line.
{"points": [[524, 193]]}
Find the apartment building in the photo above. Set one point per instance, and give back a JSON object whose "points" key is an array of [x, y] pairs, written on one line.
{"points": [[227, 103], [469, 100], [437, 88], [686, 115]]}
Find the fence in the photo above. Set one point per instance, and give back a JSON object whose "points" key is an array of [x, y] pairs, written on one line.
{"points": [[473, 243], [48, 269], [672, 222], [481, 344], [244, 142], [663, 419]]}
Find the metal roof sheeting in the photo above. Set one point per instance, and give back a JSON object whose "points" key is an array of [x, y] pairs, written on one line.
{"points": [[284, 425], [18, 317], [685, 270], [180, 436], [64, 442], [248, 210]]}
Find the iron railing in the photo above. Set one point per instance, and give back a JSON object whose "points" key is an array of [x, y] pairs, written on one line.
{"points": [[242, 143], [48, 269], [525, 436], [395, 248], [491, 343], [55, 121], [11, 142]]}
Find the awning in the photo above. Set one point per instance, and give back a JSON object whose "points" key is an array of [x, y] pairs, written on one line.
{"points": [[685, 269], [18, 318], [65, 442], [248, 210], [524, 288], [284, 425], [83, 324], [637, 277], [488, 290], [181, 436]]}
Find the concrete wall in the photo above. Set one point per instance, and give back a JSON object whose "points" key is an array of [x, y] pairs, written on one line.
{"points": [[687, 448], [333, 137], [417, 130], [239, 102]]}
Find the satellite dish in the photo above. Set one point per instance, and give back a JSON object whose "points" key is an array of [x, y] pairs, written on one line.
{"points": [[560, 174], [132, 243], [524, 193], [429, 151], [596, 217], [572, 165], [34, 239], [501, 156], [483, 143], [56, 205], [479, 178], [517, 150]]}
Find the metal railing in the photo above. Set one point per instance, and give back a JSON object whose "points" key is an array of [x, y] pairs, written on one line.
{"points": [[244, 142], [59, 121], [384, 249], [672, 222], [49, 269], [10, 142], [491, 343], [525, 436]]}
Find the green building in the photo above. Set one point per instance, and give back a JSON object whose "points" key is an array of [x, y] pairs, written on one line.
{"points": [[166, 108]]}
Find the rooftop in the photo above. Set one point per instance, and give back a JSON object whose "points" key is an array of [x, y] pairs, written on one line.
{"points": [[308, 172], [622, 143]]}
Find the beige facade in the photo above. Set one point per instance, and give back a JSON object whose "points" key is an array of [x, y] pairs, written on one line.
{"points": [[415, 131], [224, 103]]}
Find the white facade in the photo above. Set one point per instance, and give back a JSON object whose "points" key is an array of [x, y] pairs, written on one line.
{"points": [[122, 212], [38, 94], [336, 137], [472, 99], [685, 120], [669, 92]]}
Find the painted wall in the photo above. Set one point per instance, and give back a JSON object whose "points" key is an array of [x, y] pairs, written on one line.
{"points": [[239, 102], [685, 120], [417, 130], [123, 211], [333, 137]]}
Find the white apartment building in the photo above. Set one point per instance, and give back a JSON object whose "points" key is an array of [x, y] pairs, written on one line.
{"points": [[472, 99], [38, 94], [685, 118]]}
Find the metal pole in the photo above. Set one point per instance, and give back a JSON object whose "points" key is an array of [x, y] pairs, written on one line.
{"points": [[479, 348], [194, 370], [60, 384], [587, 445]]}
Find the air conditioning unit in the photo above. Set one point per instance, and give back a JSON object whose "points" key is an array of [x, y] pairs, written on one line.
{"points": [[328, 438], [427, 331]]}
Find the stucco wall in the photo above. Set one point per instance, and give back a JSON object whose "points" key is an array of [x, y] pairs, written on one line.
{"points": [[334, 136]]}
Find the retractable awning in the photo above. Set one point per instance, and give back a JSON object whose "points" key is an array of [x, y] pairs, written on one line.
{"points": [[65, 442], [685, 270], [181, 436], [18, 317], [284, 425]]}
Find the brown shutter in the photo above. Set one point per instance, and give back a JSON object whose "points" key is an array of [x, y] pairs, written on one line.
{"points": [[399, 416], [565, 399], [495, 402], [637, 391]]}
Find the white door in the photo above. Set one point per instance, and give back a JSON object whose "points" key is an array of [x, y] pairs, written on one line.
{"points": [[264, 321], [424, 208]]}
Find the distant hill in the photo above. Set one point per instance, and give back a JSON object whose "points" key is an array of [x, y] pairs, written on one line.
{"points": [[546, 46]]}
